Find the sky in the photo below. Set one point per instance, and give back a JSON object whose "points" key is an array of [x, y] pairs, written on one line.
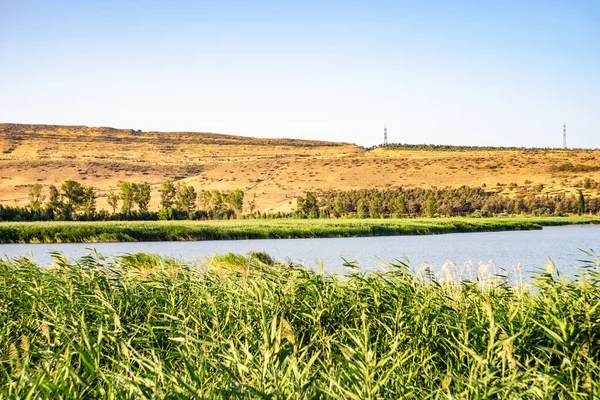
{"points": [[502, 73]]}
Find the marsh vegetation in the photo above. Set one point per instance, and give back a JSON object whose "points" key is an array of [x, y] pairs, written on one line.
{"points": [[129, 231], [141, 326]]}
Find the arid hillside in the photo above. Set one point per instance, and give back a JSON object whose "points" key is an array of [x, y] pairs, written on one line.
{"points": [[276, 170]]}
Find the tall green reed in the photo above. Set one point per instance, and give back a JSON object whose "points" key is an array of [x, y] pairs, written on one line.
{"points": [[142, 326]]}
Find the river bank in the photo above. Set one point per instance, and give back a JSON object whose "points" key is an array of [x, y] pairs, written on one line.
{"points": [[132, 231]]}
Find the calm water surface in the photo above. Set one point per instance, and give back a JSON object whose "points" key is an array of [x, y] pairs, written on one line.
{"points": [[530, 249]]}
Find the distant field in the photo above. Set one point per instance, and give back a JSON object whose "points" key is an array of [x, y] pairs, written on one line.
{"points": [[276, 170], [49, 232]]}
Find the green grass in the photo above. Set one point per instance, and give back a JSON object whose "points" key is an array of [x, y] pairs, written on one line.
{"points": [[146, 327], [49, 232]]}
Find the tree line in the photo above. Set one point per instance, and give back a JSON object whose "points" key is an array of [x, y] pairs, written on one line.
{"points": [[417, 202], [128, 201], [178, 201], [447, 147]]}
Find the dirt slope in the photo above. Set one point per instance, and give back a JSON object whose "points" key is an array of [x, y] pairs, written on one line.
{"points": [[277, 170]]}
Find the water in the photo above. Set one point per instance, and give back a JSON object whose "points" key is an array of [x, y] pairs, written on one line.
{"points": [[530, 249]]}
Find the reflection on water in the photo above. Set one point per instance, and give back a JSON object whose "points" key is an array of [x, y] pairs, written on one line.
{"points": [[512, 251]]}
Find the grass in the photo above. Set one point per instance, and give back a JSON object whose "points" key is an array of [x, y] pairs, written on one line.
{"points": [[569, 167], [242, 326], [51, 232]]}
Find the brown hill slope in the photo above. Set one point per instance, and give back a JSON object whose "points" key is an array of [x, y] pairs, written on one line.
{"points": [[277, 170]]}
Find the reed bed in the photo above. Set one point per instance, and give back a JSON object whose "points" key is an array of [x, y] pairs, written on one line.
{"points": [[142, 326], [115, 231]]}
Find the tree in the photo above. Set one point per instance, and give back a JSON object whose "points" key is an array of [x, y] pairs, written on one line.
{"points": [[55, 198], [126, 196], [113, 199], [300, 204], [216, 203], [36, 198], [431, 206], [74, 193], [311, 205], [141, 195], [338, 208], [580, 203], [55, 205], [204, 199], [252, 203], [375, 207], [414, 207], [400, 206], [361, 209], [519, 206], [165, 214], [236, 200], [89, 201], [167, 194], [186, 198]]}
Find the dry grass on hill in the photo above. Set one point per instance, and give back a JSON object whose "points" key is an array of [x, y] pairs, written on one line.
{"points": [[276, 170]]}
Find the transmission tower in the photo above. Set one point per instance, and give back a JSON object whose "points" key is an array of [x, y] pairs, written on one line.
{"points": [[385, 142], [564, 135]]}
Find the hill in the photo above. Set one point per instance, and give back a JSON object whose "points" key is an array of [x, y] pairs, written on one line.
{"points": [[276, 170]]}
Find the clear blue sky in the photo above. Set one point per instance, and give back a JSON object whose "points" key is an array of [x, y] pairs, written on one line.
{"points": [[448, 72]]}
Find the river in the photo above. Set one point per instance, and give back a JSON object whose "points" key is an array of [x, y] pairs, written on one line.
{"points": [[498, 250]]}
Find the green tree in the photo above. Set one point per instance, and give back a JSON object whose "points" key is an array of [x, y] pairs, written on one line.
{"points": [[400, 206], [300, 204], [165, 214], [217, 203], [55, 198], [311, 205], [55, 206], [252, 203], [74, 194], [362, 210], [36, 198], [142, 195], [113, 199], [89, 201], [186, 198], [126, 196], [580, 203], [236, 200], [338, 208], [204, 199], [375, 207], [167, 194], [431, 206]]}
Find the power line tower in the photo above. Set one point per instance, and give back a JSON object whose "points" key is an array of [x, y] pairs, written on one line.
{"points": [[385, 142], [564, 135]]}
